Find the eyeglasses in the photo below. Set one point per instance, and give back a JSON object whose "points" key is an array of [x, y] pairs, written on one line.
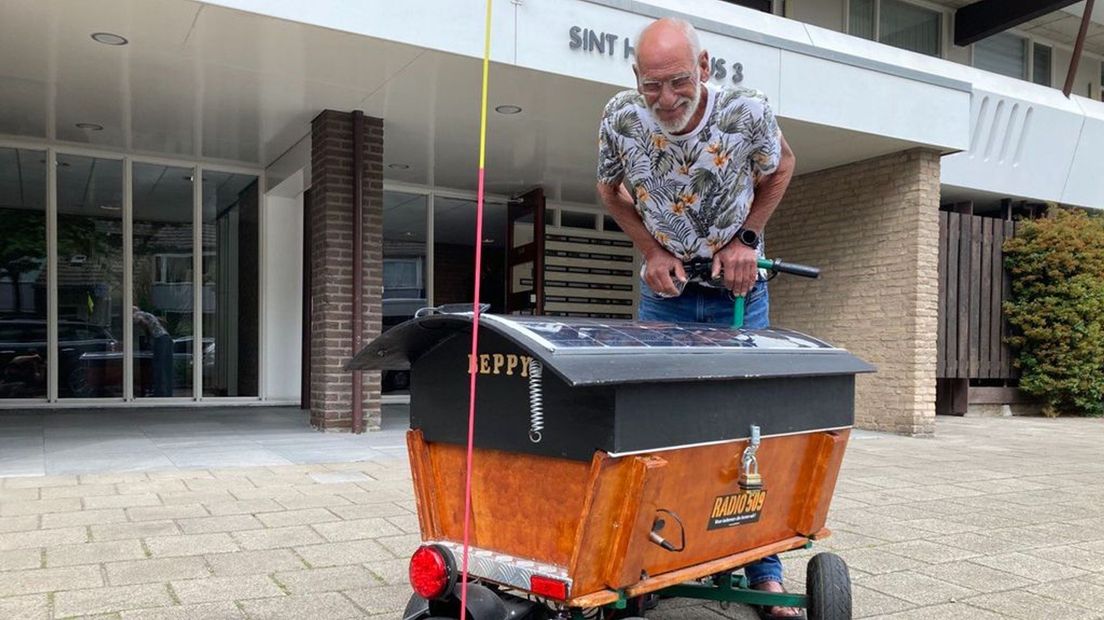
{"points": [[655, 87]]}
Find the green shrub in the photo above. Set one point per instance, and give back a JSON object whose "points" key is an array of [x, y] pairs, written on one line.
{"points": [[1057, 310]]}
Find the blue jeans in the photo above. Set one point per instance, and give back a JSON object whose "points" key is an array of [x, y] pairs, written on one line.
{"points": [[699, 304]]}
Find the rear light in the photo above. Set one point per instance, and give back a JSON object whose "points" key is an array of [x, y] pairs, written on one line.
{"points": [[548, 587], [432, 572]]}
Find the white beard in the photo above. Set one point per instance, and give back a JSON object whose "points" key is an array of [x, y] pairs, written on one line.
{"points": [[680, 124]]}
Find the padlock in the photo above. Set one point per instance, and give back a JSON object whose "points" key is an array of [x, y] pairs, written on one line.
{"points": [[749, 473]]}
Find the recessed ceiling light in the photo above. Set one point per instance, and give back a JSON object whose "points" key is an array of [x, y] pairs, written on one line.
{"points": [[110, 208], [399, 166], [90, 126], [508, 109], [108, 38], [488, 241]]}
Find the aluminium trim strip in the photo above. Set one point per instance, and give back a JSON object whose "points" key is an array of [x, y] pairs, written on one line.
{"points": [[503, 568], [723, 441]]}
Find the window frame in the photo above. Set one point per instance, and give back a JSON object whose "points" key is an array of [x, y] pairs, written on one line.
{"points": [[945, 19], [1031, 43]]}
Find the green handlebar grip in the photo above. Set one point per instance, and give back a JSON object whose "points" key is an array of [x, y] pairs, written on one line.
{"points": [[738, 312]]}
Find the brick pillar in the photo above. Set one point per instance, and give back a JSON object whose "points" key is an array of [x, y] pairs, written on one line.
{"points": [[331, 252], [873, 227]]}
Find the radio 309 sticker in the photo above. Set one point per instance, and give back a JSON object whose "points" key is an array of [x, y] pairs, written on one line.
{"points": [[737, 508]]}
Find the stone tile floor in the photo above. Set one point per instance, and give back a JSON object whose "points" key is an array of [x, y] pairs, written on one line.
{"points": [[994, 518], [117, 440]]}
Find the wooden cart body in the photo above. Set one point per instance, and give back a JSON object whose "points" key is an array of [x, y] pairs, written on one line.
{"points": [[641, 422]]}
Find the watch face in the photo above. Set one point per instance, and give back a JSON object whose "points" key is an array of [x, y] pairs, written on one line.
{"points": [[749, 237]]}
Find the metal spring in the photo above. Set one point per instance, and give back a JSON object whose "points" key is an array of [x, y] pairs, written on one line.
{"points": [[536, 402]]}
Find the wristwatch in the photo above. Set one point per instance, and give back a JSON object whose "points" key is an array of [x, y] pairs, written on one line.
{"points": [[748, 237]]}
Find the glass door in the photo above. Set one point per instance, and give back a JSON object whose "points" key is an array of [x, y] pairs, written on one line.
{"points": [[454, 252], [164, 293]]}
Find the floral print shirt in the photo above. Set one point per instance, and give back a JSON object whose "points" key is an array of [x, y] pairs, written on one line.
{"points": [[692, 191]]}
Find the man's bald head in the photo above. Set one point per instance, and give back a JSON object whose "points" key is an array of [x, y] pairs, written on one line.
{"points": [[666, 39], [670, 68]]}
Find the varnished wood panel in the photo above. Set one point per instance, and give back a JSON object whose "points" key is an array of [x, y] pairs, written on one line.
{"points": [[822, 465], [626, 556], [524, 505], [594, 518], [421, 471]]}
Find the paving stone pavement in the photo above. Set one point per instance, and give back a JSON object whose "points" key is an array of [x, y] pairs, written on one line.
{"points": [[993, 518]]}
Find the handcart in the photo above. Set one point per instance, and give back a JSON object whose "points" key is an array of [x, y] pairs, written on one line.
{"points": [[616, 461]]}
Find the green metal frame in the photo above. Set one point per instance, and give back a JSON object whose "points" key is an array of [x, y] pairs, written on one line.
{"points": [[725, 590], [740, 303], [723, 587]]}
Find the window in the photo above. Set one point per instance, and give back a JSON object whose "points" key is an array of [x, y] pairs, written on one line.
{"points": [[1002, 53], [23, 291], [759, 5], [231, 206], [90, 272], [897, 23], [1040, 64], [402, 275], [577, 219], [172, 269]]}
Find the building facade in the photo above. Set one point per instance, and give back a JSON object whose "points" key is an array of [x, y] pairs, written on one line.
{"points": [[203, 200]]}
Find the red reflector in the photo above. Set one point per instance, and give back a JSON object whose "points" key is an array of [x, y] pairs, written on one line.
{"points": [[546, 586], [428, 572]]}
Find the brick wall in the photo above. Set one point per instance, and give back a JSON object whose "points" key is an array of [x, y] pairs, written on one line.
{"points": [[873, 228], [331, 252]]}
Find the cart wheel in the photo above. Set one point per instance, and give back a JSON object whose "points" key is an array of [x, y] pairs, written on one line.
{"points": [[828, 586]]}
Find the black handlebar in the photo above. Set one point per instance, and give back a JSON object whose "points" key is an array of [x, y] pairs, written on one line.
{"points": [[804, 271]]}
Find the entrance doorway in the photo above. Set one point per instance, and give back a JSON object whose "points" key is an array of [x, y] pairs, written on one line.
{"points": [[454, 253]]}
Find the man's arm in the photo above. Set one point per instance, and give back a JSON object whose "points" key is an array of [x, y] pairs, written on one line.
{"points": [[660, 263], [769, 191], [736, 261]]}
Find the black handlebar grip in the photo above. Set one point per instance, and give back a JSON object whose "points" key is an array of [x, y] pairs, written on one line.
{"points": [[804, 271]]}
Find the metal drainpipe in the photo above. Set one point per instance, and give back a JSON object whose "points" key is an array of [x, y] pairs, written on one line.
{"points": [[358, 263]]}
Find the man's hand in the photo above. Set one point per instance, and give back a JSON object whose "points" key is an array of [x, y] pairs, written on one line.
{"points": [[660, 264], [739, 265]]}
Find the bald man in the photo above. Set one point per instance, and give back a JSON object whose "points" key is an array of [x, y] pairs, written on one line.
{"points": [[692, 173]]}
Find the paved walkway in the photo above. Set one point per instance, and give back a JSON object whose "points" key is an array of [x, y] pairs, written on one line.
{"points": [[995, 518], [33, 443]]}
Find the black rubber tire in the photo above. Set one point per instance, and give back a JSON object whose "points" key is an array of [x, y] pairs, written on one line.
{"points": [[828, 586]]}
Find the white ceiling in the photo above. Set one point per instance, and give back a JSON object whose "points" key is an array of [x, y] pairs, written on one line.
{"points": [[1058, 26], [204, 82]]}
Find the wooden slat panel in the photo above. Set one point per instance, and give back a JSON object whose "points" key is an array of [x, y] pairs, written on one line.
{"points": [[941, 327], [953, 232], [963, 309], [598, 253], [998, 396], [610, 250], [996, 312], [1010, 229], [985, 299], [975, 296]]}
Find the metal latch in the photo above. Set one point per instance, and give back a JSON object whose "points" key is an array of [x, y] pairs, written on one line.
{"points": [[749, 471]]}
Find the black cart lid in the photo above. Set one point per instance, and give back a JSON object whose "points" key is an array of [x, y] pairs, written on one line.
{"points": [[585, 351]]}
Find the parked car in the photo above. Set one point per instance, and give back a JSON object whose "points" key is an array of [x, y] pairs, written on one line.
{"points": [[23, 355]]}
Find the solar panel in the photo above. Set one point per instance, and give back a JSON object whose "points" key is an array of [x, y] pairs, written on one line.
{"points": [[597, 335]]}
